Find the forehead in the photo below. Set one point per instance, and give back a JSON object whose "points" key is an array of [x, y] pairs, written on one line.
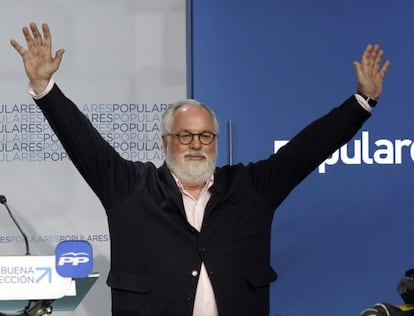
{"points": [[192, 118]]}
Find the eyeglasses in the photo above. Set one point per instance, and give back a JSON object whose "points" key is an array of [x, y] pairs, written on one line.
{"points": [[185, 138]]}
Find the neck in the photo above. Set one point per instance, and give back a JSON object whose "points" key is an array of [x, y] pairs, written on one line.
{"points": [[194, 186], [193, 189]]}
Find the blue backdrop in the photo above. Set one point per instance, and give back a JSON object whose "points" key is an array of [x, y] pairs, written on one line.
{"points": [[343, 238]]}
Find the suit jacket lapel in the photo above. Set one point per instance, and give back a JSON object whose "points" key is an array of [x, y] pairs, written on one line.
{"points": [[172, 194], [218, 190]]}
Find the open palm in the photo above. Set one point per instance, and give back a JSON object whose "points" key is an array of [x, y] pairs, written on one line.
{"points": [[38, 61]]}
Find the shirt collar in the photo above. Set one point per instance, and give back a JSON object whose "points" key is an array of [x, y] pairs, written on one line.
{"points": [[207, 185]]}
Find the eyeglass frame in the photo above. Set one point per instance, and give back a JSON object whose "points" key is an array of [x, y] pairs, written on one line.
{"points": [[187, 133]]}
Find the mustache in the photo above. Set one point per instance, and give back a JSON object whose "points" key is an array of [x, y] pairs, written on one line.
{"points": [[195, 153]]}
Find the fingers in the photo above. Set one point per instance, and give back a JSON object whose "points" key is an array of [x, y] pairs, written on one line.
{"points": [[17, 47], [384, 68], [46, 35], [37, 37], [376, 57], [369, 72], [29, 39], [33, 38], [372, 57], [366, 56]]}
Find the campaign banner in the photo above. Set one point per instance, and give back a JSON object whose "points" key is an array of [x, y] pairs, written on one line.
{"points": [[31, 278], [124, 63], [341, 240]]}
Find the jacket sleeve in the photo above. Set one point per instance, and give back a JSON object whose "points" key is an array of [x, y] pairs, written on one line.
{"points": [[275, 177], [103, 169]]}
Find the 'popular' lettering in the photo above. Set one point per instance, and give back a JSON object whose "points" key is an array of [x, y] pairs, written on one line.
{"points": [[386, 152]]}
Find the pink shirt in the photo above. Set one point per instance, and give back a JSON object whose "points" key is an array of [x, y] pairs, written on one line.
{"points": [[205, 301]]}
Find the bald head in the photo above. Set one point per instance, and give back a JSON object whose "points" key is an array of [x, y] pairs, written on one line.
{"points": [[184, 108]]}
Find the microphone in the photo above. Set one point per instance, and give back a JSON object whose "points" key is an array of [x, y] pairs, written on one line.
{"points": [[3, 201]]}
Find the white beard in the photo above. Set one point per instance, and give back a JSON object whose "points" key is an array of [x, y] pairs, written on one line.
{"points": [[191, 172]]}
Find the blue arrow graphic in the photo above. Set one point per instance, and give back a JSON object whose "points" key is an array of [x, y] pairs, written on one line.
{"points": [[47, 272]]}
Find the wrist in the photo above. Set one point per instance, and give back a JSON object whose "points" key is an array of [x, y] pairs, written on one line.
{"points": [[38, 86], [371, 101], [38, 95]]}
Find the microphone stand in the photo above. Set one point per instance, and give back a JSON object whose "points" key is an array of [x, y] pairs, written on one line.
{"points": [[34, 307], [3, 201]]}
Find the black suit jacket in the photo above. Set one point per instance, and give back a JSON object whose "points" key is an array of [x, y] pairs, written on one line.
{"points": [[154, 250]]}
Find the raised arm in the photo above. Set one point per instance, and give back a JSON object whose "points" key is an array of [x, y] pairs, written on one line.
{"points": [[369, 72], [38, 61]]}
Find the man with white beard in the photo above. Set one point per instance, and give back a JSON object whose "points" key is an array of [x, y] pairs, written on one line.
{"points": [[190, 238], [186, 158]]}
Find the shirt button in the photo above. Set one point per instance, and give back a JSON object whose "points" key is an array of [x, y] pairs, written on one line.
{"points": [[194, 273]]}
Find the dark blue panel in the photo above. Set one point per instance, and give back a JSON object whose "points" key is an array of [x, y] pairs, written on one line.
{"points": [[342, 239]]}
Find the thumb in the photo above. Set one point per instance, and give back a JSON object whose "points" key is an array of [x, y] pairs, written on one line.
{"points": [[359, 73], [357, 67], [58, 57]]}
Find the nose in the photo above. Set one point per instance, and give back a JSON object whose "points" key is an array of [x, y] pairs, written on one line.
{"points": [[195, 142]]}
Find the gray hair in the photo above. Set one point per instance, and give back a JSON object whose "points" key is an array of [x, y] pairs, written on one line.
{"points": [[169, 115]]}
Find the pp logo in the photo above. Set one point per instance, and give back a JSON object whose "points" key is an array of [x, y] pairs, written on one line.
{"points": [[74, 258]]}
